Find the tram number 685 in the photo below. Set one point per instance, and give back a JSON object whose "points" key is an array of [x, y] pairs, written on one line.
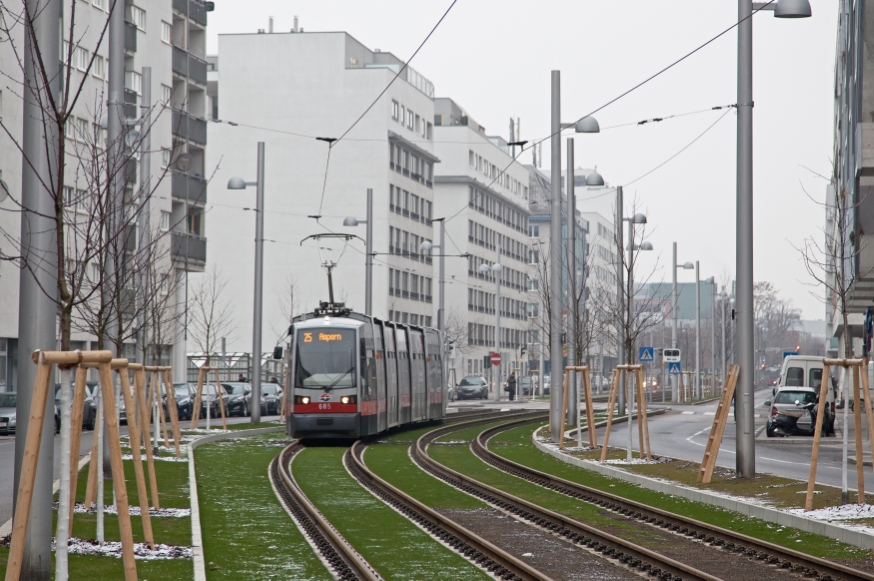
{"points": [[324, 406]]}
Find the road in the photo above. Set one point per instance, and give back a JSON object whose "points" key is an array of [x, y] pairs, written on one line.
{"points": [[7, 460]]}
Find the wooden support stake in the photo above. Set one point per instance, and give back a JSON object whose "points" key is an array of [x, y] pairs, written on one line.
{"points": [[159, 409], [195, 413], [221, 400], [134, 438], [869, 415], [611, 403], [642, 421], [590, 411], [91, 487], [814, 457], [145, 414], [705, 473], [857, 416], [28, 468], [174, 412], [118, 481], [76, 438], [567, 375]]}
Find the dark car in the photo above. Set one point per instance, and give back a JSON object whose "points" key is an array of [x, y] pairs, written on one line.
{"points": [[89, 411], [184, 400], [239, 398], [472, 387], [793, 412], [271, 398], [211, 398], [94, 390]]}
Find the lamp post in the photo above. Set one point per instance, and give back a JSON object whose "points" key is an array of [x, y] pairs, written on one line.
{"points": [[495, 269], [636, 219], [712, 281], [426, 247], [238, 183], [675, 393], [746, 437], [368, 251], [622, 290], [697, 330]]}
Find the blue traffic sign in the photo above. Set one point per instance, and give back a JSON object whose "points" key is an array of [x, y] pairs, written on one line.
{"points": [[675, 368], [645, 355], [788, 353]]}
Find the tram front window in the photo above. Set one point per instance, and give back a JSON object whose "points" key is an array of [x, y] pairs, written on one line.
{"points": [[325, 358]]}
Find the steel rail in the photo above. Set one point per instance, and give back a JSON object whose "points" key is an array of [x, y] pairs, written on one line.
{"points": [[341, 557], [752, 548], [627, 553]]}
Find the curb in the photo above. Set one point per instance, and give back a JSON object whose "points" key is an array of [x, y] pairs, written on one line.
{"points": [[198, 560], [826, 529]]}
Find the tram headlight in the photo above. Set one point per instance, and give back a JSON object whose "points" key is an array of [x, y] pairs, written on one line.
{"points": [[347, 399], [302, 400]]}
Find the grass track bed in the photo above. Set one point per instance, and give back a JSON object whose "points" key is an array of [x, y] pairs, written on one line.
{"points": [[396, 547], [246, 532], [517, 446]]}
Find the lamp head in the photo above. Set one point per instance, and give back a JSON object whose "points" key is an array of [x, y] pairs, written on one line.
{"points": [[638, 219], [496, 267], [587, 125], [689, 266], [594, 179], [425, 246], [484, 268], [236, 183], [350, 221], [792, 9], [646, 246]]}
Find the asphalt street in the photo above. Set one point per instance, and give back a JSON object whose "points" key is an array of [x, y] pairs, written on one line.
{"points": [[7, 461]]}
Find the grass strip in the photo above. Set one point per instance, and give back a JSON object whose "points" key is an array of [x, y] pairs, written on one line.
{"points": [[392, 544], [518, 448], [246, 532]]}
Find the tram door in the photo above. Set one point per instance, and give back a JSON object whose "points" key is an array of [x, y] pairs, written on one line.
{"points": [[417, 375], [403, 374], [434, 373], [379, 350], [391, 376]]}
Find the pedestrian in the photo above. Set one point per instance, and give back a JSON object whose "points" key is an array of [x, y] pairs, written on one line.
{"points": [[511, 385], [241, 378]]}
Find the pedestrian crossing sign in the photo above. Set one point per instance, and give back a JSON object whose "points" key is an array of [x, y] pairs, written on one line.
{"points": [[674, 368], [645, 355]]}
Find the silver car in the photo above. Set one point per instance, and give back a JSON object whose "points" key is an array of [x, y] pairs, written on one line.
{"points": [[472, 387], [7, 412]]}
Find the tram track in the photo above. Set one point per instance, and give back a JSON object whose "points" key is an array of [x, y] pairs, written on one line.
{"points": [[755, 551]]}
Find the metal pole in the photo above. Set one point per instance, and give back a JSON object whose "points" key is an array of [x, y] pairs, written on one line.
{"points": [[442, 280], [259, 289], [368, 260], [724, 346], [145, 213], [745, 439], [697, 330], [573, 305], [496, 369], [628, 347], [555, 351], [620, 290], [713, 337], [675, 391], [37, 312]]}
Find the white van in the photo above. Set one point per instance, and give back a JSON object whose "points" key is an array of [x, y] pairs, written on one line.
{"points": [[804, 371], [850, 390]]}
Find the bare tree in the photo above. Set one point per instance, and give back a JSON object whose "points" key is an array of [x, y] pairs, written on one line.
{"points": [[289, 306], [211, 312]]}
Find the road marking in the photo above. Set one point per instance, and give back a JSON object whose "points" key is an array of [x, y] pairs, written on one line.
{"points": [[687, 413], [799, 463], [709, 413]]}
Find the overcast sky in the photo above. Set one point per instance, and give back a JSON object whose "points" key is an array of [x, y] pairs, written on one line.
{"points": [[494, 58]]}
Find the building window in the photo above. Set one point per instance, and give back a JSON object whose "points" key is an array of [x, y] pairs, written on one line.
{"points": [[534, 230], [133, 81], [98, 69], [166, 93], [137, 16], [165, 158], [69, 196], [391, 282], [82, 129], [410, 119], [99, 4], [395, 110], [166, 32], [81, 56], [68, 128], [165, 221], [429, 135], [165, 284]]}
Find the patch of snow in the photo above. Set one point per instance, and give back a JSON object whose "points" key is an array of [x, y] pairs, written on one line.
{"points": [[141, 550], [843, 512], [156, 458], [134, 510], [636, 461]]}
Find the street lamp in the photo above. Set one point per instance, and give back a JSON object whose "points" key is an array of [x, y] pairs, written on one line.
{"points": [[686, 266], [626, 330], [746, 437], [496, 269], [368, 251], [238, 183]]}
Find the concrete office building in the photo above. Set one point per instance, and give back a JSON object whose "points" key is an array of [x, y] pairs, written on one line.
{"points": [[483, 194], [170, 38], [326, 82]]}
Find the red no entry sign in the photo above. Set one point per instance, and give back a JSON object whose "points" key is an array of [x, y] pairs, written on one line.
{"points": [[496, 358]]}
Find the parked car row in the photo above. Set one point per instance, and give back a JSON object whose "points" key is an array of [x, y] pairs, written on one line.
{"points": [[235, 398]]}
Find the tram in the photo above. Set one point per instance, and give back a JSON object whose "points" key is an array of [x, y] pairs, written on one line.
{"points": [[353, 375]]}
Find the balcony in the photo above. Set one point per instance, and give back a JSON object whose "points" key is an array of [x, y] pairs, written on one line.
{"points": [[130, 104], [188, 127], [188, 65], [196, 11], [188, 248], [188, 187], [130, 37]]}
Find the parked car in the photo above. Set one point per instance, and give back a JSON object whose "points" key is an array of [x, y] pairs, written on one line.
{"points": [[184, 400], [8, 401], [271, 398], [473, 387], [94, 390], [89, 411], [211, 398], [526, 383], [793, 411], [239, 398]]}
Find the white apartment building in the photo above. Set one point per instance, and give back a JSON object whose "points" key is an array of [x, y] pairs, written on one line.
{"points": [[170, 38], [325, 83], [483, 195]]}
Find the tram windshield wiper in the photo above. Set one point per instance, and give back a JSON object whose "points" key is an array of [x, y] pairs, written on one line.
{"points": [[339, 377]]}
